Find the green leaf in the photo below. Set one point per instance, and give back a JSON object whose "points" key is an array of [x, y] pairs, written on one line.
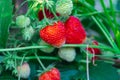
{"points": [[103, 71], [1, 59], [67, 70], [33, 9], [118, 5], [67, 74], [6, 75], [91, 2], [6, 9]]}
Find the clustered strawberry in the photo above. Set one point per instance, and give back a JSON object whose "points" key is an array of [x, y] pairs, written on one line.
{"points": [[59, 33], [70, 32]]}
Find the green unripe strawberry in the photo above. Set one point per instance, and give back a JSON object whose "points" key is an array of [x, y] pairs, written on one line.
{"points": [[28, 33], [64, 7], [22, 21], [46, 50], [67, 54]]}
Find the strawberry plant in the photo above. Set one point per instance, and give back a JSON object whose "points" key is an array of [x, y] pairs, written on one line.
{"points": [[59, 40]]}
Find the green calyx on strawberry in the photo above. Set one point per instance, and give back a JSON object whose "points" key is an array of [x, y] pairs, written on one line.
{"points": [[52, 74], [68, 54], [23, 71], [46, 50], [75, 33], [54, 34], [64, 7], [22, 21]]}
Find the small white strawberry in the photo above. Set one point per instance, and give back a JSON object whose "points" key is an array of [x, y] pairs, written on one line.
{"points": [[67, 54], [23, 71], [46, 50]]}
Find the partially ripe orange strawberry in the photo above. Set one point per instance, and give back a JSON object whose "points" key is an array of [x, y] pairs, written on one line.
{"points": [[52, 74], [54, 34], [75, 33]]}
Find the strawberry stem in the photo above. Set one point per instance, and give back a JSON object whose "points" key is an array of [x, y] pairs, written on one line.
{"points": [[54, 14], [21, 64], [43, 10], [87, 64], [40, 62], [41, 57], [66, 45]]}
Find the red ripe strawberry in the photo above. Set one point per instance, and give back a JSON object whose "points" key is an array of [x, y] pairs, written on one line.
{"points": [[75, 33], [48, 14], [52, 74], [54, 34], [94, 50]]}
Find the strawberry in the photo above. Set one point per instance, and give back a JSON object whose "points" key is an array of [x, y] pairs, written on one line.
{"points": [[52, 74], [47, 12], [22, 21], [27, 33], [24, 70], [94, 50], [64, 7], [75, 33], [54, 34], [67, 54], [46, 50]]}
